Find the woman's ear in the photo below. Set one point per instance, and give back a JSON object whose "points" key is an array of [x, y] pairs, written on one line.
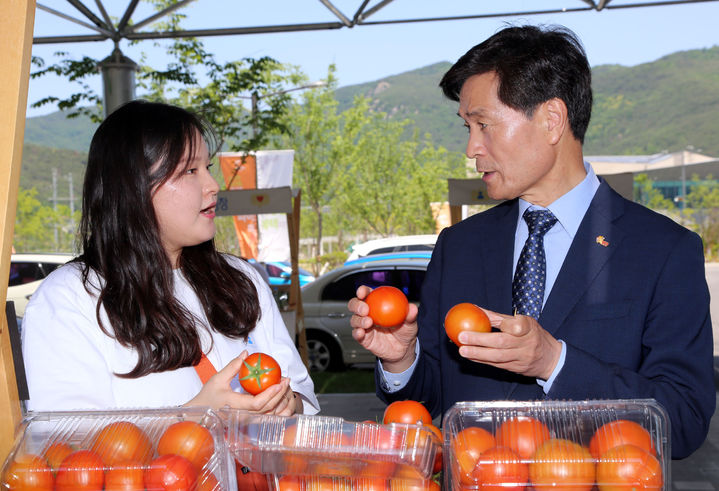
{"points": [[556, 121]]}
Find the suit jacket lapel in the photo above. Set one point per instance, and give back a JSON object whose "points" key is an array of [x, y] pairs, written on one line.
{"points": [[596, 240], [498, 251]]}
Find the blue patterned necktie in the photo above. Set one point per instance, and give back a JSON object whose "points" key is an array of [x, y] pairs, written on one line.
{"points": [[531, 273]]}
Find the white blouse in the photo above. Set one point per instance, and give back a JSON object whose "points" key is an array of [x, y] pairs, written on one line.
{"points": [[71, 364]]}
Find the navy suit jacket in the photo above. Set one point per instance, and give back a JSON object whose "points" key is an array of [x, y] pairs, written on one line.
{"points": [[633, 312]]}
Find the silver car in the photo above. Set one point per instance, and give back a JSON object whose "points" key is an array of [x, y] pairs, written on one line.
{"points": [[330, 344]]}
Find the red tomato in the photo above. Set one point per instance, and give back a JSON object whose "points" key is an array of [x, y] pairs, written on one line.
{"points": [[28, 472], [55, 453], [467, 446], [562, 464], [628, 468], [501, 469], [440, 441], [122, 441], [250, 481], [190, 440], [327, 484], [465, 317], [388, 306], [170, 473], [617, 433], [385, 444], [408, 412], [82, 470], [125, 476], [524, 435], [342, 462], [259, 371], [207, 482]]}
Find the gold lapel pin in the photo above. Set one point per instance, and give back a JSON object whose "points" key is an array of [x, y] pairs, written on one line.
{"points": [[600, 240]]}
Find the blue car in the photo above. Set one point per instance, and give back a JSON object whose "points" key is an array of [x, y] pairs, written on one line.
{"points": [[280, 272]]}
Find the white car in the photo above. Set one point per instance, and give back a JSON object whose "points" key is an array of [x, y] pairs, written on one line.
{"points": [[330, 345], [403, 243], [27, 272]]}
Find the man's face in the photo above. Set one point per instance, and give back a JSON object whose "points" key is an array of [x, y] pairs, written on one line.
{"points": [[511, 150]]}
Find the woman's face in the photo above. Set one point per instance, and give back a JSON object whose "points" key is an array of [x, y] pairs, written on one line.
{"points": [[185, 203]]}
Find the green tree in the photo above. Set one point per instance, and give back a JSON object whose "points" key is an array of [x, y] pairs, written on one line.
{"points": [[389, 181], [313, 126], [703, 199], [36, 225], [646, 194], [194, 79]]}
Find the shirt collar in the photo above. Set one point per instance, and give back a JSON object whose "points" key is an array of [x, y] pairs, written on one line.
{"points": [[571, 207]]}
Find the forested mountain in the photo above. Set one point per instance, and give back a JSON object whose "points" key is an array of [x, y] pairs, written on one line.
{"points": [[663, 105]]}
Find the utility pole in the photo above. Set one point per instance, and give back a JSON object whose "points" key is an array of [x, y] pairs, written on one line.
{"points": [[55, 199]]}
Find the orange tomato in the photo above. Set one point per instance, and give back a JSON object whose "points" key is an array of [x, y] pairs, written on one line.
{"points": [[121, 441], [170, 473], [413, 485], [628, 468], [28, 472], [342, 462], [467, 446], [388, 306], [617, 433], [384, 444], [408, 412], [207, 481], [501, 469], [188, 439], [289, 483], [465, 317], [562, 464], [55, 453], [125, 476], [523, 435], [294, 462], [82, 470]]}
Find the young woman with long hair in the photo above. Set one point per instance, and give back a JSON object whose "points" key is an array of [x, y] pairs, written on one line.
{"points": [[125, 323]]}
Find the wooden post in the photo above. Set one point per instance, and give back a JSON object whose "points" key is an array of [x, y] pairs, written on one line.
{"points": [[455, 213], [295, 299], [16, 26]]}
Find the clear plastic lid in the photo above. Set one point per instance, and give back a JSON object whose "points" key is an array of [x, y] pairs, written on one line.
{"points": [[120, 449], [555, 445], [324, 446]]}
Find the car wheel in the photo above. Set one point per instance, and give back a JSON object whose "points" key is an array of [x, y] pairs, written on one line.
{"points": [[323, 353]]}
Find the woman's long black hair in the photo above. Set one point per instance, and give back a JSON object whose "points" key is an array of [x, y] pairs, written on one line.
{"points": [[137, 148]]}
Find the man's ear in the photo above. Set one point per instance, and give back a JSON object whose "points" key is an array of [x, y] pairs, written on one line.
{"points": [[555, 119]]}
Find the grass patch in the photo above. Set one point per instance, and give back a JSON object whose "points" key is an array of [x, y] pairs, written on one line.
{"points": [[345, 381]]}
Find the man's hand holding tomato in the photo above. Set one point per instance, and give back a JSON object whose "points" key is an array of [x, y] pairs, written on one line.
{"points": [[276, 399], [521, 346], [393, 345]]}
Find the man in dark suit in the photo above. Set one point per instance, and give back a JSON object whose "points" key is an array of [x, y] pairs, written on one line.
{"points": [[618, 307]]}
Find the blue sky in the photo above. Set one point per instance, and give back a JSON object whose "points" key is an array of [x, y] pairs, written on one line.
{"points": [[367, 53]]}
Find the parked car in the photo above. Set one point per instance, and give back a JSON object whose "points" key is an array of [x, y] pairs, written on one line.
{"points": [[393, 244], [393, 255], [280, 272], [330, 344], [27, 272]]}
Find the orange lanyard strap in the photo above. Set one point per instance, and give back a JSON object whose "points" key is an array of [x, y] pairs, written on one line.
{"points": [[205, 369]]}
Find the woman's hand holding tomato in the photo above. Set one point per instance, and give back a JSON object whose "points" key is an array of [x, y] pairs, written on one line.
{"points": [[522, 346], [393, 345], [217, 393]]}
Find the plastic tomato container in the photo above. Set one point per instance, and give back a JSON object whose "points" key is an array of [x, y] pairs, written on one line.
{"points": [[555, 445], [121, 449], [324, 446], [314, 483]]}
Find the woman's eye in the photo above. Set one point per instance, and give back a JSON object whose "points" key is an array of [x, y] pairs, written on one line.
{"points": [[191, 171]]}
